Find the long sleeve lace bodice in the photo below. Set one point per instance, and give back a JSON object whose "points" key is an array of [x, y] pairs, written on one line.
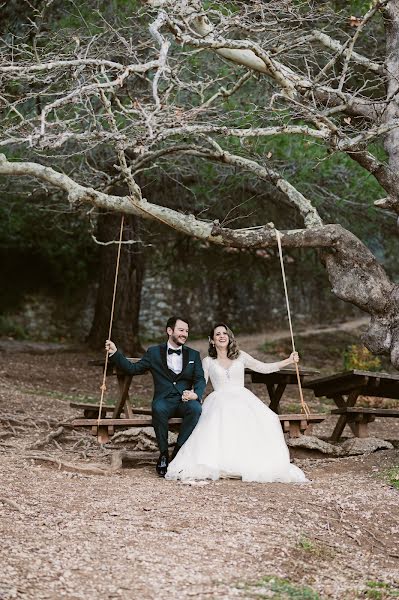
{"points": [[234, 375]]}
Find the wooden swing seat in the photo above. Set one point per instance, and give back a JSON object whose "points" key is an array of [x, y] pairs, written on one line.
{"points": [[293, 424], [90, 411]]}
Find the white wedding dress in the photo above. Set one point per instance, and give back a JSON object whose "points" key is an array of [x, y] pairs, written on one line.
{"points": [[237, 435]]}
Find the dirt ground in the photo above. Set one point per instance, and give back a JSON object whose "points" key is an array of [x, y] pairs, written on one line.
{"points": [[71, 528]]}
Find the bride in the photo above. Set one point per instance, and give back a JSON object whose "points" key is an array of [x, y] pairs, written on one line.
{"points": [[237, 435]]}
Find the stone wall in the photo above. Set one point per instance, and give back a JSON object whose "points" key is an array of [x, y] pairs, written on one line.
{"points": [[248, 304]]}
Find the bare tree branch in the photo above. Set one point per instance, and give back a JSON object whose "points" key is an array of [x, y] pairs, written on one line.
{"points": [[249, 54], [342, 50]]}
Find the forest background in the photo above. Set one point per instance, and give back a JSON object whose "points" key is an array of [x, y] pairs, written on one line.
{"points": [[57, 273]]}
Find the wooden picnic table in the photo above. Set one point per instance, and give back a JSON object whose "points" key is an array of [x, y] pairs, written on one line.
{"points": [[277, 382], [111, 416], [123, 403], [295, 424], [345, 388]]}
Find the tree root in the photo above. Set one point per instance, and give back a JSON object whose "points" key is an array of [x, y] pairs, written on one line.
{"points": [[120, 458], [28, 421], [51, 436], [67, 466]]}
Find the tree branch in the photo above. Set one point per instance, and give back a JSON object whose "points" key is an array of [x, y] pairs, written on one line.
{"points": [[139, 68], [187, 224], [297, 200], [249, 54], [332, 44]]}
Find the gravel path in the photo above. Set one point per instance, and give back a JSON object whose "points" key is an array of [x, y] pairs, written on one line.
{"points": [[69, 532]]}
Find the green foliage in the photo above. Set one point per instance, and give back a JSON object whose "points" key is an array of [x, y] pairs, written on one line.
{"points": [[85, 18], [42, 249], [358, 7], [281, 589], [377, 590], [307, 544], [326, 351], [53, 250], [358, 357], [225, 8], [268, 347], [10, 328], [313, 547], [292, 407], [392, 476]]}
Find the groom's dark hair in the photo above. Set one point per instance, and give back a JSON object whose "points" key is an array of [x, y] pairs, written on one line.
{"points": [[172, 322]]}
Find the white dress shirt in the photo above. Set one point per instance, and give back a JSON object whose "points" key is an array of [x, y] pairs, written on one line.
{"points": [[175, 361]]}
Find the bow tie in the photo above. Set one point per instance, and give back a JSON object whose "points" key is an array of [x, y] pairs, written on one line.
{"points": [[171, 351]]}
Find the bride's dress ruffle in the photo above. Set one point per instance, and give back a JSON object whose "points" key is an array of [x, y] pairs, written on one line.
{"points": [[237, 435]]}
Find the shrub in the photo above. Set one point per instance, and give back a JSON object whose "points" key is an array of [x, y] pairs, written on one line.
{"points": [[358, 357]]}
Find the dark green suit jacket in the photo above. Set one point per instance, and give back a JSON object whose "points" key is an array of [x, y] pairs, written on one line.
{"points": [[166, 383]]}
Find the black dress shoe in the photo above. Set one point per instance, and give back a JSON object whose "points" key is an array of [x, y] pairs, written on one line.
{"points": [[175, 451], [162, 465]]}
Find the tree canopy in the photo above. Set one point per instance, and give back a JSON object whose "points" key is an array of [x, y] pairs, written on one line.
{"points": [[295, 97]]}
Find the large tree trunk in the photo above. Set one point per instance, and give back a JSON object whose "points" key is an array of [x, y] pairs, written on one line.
{"points": [[392, 66], [357, 277], [125, 328]]}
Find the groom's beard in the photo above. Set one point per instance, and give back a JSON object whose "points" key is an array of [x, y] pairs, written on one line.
{"points": [[176, 340]]}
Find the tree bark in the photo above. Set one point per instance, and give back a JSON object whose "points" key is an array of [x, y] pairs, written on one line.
{"points": [[125, 327], [392, 68]]}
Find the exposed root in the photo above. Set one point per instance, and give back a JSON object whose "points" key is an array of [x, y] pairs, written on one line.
{"points": [[51, 436], [67, 466]]}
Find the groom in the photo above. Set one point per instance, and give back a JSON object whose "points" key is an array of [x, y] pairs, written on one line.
{"points": [[179, 384]]}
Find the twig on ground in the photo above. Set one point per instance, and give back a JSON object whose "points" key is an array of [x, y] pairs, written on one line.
{"points": [[57, 445], [71, 467], [320, 539], [51, 436], [78, 443], [353, 538], [14, 431], [374, 537], [7, 445], [27, 421], [11, 503], [49, 422]]}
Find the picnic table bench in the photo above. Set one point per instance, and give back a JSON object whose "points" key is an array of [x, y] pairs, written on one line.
{"points": [[293, 424], [345, 388]]}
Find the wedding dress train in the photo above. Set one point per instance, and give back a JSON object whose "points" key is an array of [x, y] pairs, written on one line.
{"points": [[237, 434]]}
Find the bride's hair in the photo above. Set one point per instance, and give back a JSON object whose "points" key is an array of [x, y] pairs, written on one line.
{"points": [[232, 349]]}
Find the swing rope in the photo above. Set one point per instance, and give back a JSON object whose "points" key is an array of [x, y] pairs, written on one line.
{"points": [[304, 406], [103, 386]]}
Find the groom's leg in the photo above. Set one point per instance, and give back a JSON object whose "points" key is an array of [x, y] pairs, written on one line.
{"points": [[190, 412], [162, 410]]}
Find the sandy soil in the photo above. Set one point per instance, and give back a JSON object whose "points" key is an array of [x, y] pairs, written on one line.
{"points": [[73, 529]]}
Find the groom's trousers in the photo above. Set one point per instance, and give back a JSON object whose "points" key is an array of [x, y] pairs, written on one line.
{"points": [[164, 409]]}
